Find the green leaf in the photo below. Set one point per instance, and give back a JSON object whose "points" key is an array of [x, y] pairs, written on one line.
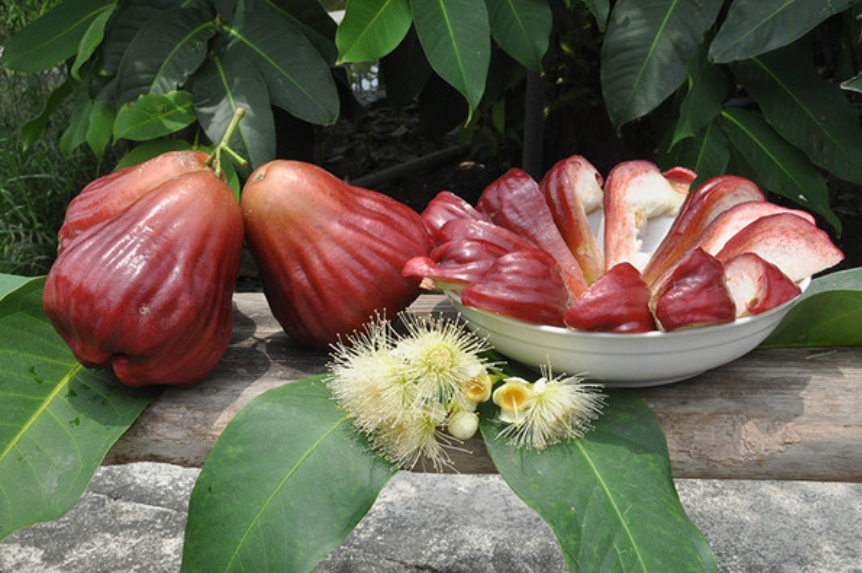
{"points": [[777, 166], [224, 84], [153, 116], [810, 113], [609, 497], [128, 20], [33, 129], [297, 78], [754, 27], [828, 314], [455, 35], [57, 418], [9, 283], [600, 10], [707, 153], [90, 41], [646, 51], [151, 149], [372, 29], [100, 127], [164, 53], [286, 482], [53, 37], [522, 28], [706, 90], [76, 132]]}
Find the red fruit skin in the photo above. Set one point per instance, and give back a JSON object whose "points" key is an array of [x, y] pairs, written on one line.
{"points": [[514, 201], [618, 302], [460, 229], [110, 194], [526, 285], [757, 285], [454, 264], [695, 295], [330, 255], [149, 290], [445, 207]]}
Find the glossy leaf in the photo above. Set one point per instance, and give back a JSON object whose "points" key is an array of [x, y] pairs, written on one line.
{"points": [[53, 37], [705, 92], [9, 283], [287, 481], [100, 127], [522, 28], [164, 52], [707, 153], [298, 79], [455, 36], [754, 27], [372, 29], [828, 314], [646, 51], [777, 166], [810, 113], [224, 84], [609, 496], [57, 418], [125, 24], [90, 41], [153, 116]]}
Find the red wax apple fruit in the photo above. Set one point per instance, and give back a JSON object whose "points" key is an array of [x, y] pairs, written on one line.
{"points": [[454, 264], [525, 284], [695, 295], [573, 189], [447, 206], [514, 201], [144, 280], [460, 229], [757, 285], [330, 254], [619, 301]]}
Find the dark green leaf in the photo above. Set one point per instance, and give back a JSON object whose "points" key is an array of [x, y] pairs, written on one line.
{"points": [[828, 314], [225, 84], [776, 165], [372, 29], [287, 481], [854, 84], [706, 90], [609, 497], [153, 116], [100, 127], [33, 129], [646, 51], [59, 419], [128, 20], [810, 113], [754, 27], [405, 71], [165, 51], [600, 10], [706, 153], [522, 28], [90, 41], [54, 37], [298, 79], [455, 35], [76, 132]]}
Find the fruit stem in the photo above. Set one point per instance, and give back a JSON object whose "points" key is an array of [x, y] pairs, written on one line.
{"points": [[214, 159]]}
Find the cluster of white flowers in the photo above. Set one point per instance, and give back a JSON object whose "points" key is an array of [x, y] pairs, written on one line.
{"points": [[415, 394]]}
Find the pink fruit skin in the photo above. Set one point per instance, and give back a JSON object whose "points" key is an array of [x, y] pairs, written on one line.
{"points": [[757, 285], [454, 264], [445, 207], [461, 229], [618, 302]]}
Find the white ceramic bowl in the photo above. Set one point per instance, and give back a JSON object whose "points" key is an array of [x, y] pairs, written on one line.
{"points": [[625, 360]]}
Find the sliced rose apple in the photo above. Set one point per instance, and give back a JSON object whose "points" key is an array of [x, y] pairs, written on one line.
{"points": [[757, 285], [619, 301], [791, 243], [454, 264], [514, 201], [447, 206], [459, 229], [700, 208], [526, 285], [573, 189], [695, 295], [635, 192]]}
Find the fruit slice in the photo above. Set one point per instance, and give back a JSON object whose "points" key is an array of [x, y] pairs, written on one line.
{"points": [[514, 201], [447, 206], [635, 192], [459, 229], [757, 285], [695, 295], [573, 189], [618, 302], [699, 209], [455, 264], [526, 285]]}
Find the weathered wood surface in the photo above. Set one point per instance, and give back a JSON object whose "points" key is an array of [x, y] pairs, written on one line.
{"points": [[774, 414]]}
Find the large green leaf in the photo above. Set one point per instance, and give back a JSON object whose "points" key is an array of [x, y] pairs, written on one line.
{"points": [[522, 28], [706, 90], [777, 165], [11, 282], [646, 51], [828, 314], [456, 37], [54, 37], [225, 83], [164, 52], [287, 481], [707, 153], [90, 41], [298, 79], [372, 29], [810, 113], [609, 497], [57, 418], [127, 21], [153, 116], [754, 27]]}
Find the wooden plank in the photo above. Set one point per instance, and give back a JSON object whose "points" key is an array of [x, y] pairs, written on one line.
{"points": [[792, 414]]}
